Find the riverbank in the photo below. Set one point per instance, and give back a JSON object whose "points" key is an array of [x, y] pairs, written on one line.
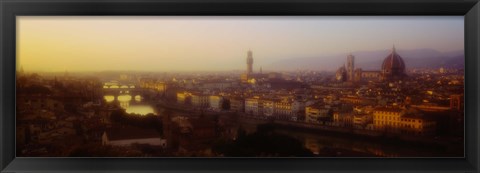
{"points": [[421, 146], [355, 133]]}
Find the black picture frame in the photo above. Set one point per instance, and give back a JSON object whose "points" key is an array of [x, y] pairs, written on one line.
{"points": [[9, 9]]}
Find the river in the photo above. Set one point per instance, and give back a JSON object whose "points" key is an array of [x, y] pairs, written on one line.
{"points": [[317, 142], [132, 104]]}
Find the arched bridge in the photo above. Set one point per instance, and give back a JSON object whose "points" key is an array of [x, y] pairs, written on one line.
{"points": [[115, 89]]}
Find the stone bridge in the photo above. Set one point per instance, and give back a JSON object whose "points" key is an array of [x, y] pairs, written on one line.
{"points": [[116, 89]]}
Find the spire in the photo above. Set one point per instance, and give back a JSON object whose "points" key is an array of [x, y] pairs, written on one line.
{"points": [[392, 54]]}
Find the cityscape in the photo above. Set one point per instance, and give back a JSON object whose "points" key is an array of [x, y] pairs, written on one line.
{"points": [[391, 105]]}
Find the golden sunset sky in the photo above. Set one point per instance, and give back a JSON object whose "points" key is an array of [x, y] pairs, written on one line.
{"points": [[165, 43]]}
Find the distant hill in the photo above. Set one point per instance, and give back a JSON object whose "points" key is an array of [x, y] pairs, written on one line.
{"points": [[372, 60]]}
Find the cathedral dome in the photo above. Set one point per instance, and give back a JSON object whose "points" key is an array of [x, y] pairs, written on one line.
{"points": [[393, 65]]}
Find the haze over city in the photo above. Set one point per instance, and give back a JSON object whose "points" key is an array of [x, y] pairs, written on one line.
{"points": [[240, 86], [174, 43]]}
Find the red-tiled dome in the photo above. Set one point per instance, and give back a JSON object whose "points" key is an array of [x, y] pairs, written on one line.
{"points": [[393, 64]]}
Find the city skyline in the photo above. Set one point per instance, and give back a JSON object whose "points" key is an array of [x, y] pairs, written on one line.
{"points": [[202, 87], [193, 45]]}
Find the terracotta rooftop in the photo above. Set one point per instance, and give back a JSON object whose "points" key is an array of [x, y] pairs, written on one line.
{"points": [[386, 109], [393, 61]]}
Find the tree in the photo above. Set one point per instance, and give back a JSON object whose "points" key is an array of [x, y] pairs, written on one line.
{"points": [[264, 142], [226, 104]]}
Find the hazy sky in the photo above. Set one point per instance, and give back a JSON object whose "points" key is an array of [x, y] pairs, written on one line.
{"points": [[164, 43]]}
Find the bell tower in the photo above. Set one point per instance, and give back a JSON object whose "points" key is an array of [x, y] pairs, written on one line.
{"points": [[350, 67], [249, 62]]}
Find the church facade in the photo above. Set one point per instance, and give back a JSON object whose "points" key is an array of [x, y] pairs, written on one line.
{"points": [[393, 68]]}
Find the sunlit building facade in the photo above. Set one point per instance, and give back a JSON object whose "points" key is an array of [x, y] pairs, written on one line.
{"points": [[200, 100], [268, 107], [183, 97], [398, 120], [216, 102], [252, 106], [316, 113], [283, 110], [237, 104]]}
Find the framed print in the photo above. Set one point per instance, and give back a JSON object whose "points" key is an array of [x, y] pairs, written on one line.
{"points": [[186, 86]]}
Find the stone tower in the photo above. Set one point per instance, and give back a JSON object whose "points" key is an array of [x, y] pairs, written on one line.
{"points": [[350, 67], [249, 62]]}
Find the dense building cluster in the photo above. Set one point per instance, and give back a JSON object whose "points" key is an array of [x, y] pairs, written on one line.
{"points": [[72, 114], [386, 101]]}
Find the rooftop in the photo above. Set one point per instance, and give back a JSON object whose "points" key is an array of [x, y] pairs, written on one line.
{"points": [[388, 109]]}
